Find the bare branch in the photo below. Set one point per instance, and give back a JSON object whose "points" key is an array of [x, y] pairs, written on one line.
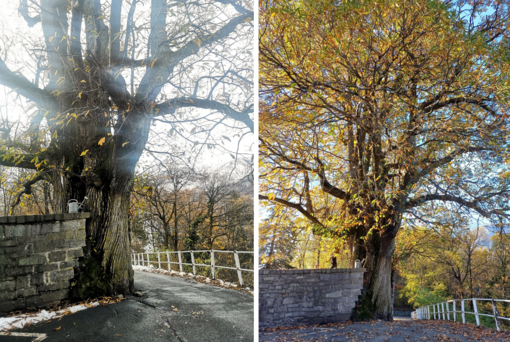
{"points": [[181, 102], [23, 10]]}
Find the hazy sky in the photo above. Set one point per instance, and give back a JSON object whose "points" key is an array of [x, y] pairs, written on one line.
{"points": [[12, 24]]}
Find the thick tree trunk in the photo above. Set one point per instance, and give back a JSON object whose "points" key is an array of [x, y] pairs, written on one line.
{"points": [[106, 267], [376, 300]]}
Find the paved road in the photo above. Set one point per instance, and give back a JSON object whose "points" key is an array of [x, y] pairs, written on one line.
{"points": [[398, 331], [174, 309]]}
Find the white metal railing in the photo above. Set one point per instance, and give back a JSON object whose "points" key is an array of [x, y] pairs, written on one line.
{"points": [[143, 259], [442, 310]]}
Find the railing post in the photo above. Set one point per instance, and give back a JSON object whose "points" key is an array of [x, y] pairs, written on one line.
{"points": [[212, 265], [238, 266], [447, 311], [463, 311], [442, 311], [148, 260], [193, 262], [159, 259], [476, 313], [454, 312], [434, 310], [168, 262], [495, 311], [141, 254], [428, 312], [180, 261]]}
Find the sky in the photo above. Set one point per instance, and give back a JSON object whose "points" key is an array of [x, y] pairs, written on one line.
{"points": [[234, 153]]}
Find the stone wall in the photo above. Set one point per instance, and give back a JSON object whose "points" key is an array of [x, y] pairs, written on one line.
{"points": [[296, 297], [38, 254]]}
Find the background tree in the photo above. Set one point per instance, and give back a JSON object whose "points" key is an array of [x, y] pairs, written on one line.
{"points": [[97, 76], [213, 211], [385, 107]]}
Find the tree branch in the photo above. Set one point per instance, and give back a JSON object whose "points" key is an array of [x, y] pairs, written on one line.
{"points": [[23, 10], [411, 178], [293, 205], [450, 198], [24, 87], [27, 188], [181, 102], [326, 186], [161, 66]]}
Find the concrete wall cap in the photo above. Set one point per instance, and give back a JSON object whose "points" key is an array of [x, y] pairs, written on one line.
{"points": [[42, 218]]}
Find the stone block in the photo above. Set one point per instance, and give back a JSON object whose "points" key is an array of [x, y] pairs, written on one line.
{"points": [[6, 260], [12, 231], [11, 305], [75, 243], [26, 292], [70, 234], [68, 265], [53, 287], [7, 286], [288, 300], [42, 246], [50, 217], [23, 251], [22, 282], [74, 253], [55, 296], [7, 295], [81, 234], [35, 229], [71, 225], [47, 228], [37, 279], [46, 267], [336, 294], [36, 259], [56, 227], [55, 236], [59, 276], [57, 256], [18, 270], [8, 243], [34, 301]]}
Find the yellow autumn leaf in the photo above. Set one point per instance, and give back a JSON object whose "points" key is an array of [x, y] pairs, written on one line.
{"points": [[124, 144], [101, 141], [154, 61], [84, 153]]}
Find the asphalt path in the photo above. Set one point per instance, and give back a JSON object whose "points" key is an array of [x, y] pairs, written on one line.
{"points": [[172, 309], [401, 330]]}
